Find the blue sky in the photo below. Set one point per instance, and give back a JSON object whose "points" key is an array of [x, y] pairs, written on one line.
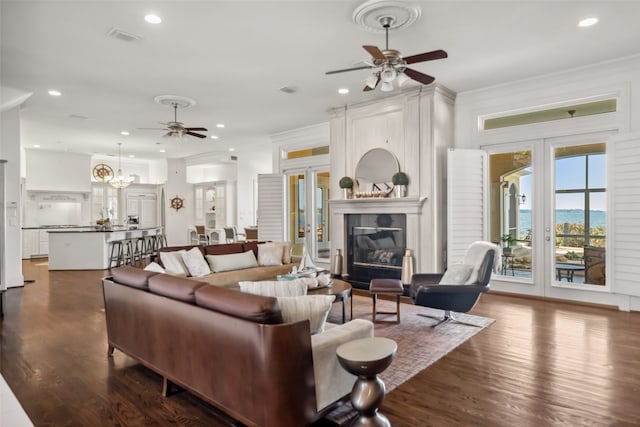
{"points": [[571, 174]]}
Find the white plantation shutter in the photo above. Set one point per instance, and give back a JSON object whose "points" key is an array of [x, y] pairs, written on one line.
{"points": [[466, 201], [271, 207], [623, 227]]}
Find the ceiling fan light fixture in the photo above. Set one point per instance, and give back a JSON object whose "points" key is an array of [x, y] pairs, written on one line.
{"points": [[402, 79], [387, 74], [386, 87]]}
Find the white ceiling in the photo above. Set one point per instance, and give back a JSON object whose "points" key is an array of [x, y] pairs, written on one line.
{"points": [[233, 56]]}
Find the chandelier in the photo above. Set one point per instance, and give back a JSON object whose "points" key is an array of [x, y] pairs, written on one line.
{"points": [[119, 180]]}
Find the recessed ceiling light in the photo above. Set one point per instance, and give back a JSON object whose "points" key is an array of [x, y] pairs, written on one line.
{"points": [[587, 22], [214, 136], [220, 125], [163, 151], [343, 91], [124, 132], [54, 92], [152, 19], [132, 155], [36, 146], [232, 149]]}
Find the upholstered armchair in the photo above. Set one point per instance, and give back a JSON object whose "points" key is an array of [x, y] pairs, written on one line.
{"points": [[459, 288]]}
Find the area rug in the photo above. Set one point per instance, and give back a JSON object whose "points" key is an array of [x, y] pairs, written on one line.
{"points": [[419, 345]]}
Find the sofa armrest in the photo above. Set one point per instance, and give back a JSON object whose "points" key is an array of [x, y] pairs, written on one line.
{"points": [[332, 381]]}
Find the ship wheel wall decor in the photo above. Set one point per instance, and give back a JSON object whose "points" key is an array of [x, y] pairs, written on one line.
{"points": [[102, 172], [177, 203]]}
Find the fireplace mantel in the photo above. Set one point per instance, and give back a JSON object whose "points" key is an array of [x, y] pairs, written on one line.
{"points": [[408, 205]]}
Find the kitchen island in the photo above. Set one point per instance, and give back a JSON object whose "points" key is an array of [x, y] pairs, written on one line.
{"points": [[88, 249]]}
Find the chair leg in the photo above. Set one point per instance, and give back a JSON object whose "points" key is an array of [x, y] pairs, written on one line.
{"points": [[448, 317]]}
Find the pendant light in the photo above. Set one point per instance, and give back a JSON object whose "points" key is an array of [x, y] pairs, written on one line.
{"points": [[119, 181]]}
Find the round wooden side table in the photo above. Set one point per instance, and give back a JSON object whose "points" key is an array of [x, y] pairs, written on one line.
{"points": [[366, 358]]}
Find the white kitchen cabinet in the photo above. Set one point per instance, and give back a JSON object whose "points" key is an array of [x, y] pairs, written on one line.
{"points": [[30, 242], [142, 209]]}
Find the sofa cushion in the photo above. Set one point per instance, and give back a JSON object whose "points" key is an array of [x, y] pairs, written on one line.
{"points": [[314, 308], [251, 307], [224, 249], [195, 262], [230, 262], [275, 288], [172, 262], [251, 246], [153, 266], [132, 276], [174, 287], [270, 253], [230, 279], [176, 248]]}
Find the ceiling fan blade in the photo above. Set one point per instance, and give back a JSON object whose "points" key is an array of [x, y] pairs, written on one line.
{"points": [[427, 56], [375, 52], [363, 67], [367, 88], [425, 79], [198, 129], [197, 135], [152, 128]]}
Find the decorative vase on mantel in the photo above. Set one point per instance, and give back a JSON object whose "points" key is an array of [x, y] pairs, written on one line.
{"points": [[400, 181]]}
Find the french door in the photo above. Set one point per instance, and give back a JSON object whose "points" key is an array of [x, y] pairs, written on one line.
{"points": [[308, 218], [548, 211]]}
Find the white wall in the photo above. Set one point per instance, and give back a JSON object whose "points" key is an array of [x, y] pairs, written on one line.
{"points": [[177, 222], [139, 168], [249, 166], [157, 171], [58, 171], [10, 151]]}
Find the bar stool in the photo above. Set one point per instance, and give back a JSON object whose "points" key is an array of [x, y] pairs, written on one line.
{"points": [[389, 287], [116, 253]]}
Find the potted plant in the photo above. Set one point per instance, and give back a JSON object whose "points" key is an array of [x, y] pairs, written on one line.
{"points": [[346, 184], [400, 181], [508, 240]]}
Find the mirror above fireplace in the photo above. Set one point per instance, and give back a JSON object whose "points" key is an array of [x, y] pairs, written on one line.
{"points": [[375, 169]]}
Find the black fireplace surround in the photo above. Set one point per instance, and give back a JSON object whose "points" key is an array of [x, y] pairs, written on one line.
{"points": [[375, 246]]}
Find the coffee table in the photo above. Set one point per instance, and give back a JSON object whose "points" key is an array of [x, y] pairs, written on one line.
{"points": [[341, 290]]}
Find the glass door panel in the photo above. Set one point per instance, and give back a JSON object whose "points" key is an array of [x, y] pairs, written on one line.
{"points": [[308, 209], [580, 214], [511, 194]]}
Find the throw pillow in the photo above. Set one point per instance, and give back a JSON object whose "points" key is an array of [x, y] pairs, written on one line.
{"points": [[195, 262], [172, 262], [155, 267], [456, 274], [280, 288], [314, 308], [270, 253], [232, 261]]}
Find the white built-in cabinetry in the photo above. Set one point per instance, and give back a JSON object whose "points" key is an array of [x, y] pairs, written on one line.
{"points": [[210, 205], [143, 205]]}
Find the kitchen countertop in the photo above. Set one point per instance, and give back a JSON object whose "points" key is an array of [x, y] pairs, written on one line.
{"points": [[93, 230]]}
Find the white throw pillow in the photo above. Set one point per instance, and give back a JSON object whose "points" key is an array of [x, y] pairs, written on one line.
{"points": [[155, 267], [195, 263], [315, 308], [232, 261], [270, 253], [172, 262], [280, 288], [456, 274]]}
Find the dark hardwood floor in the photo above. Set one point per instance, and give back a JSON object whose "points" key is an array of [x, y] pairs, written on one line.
{"points": [[540, 364]]}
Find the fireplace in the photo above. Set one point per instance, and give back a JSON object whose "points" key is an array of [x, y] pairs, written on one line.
{"points": [[375, 246]]}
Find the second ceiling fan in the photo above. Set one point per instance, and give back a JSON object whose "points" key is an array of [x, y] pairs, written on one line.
{"points": [[391, 66], [177, 129]]}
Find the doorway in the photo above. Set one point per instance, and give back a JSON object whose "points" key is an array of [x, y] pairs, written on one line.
{"points": [[548, 212], [308, 218]]}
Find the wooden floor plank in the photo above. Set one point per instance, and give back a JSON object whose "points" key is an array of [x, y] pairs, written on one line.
{"points": [[542, 363]]}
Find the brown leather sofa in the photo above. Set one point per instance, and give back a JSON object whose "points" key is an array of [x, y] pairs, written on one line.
{"points": [[230, 279], [229, 348]]}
